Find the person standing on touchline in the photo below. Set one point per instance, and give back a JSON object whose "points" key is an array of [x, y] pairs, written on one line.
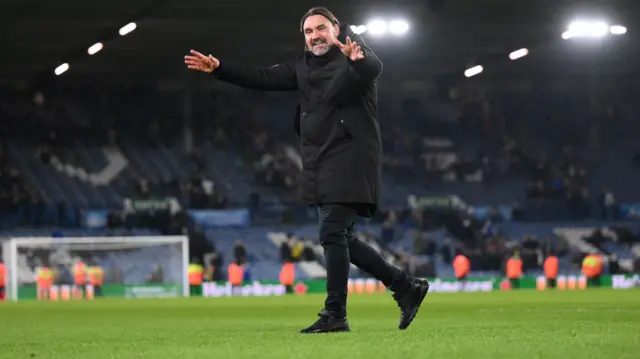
{"points": [[335, 79]]}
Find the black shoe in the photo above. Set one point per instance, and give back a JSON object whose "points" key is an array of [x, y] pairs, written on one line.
{"points": [[409, 301], [328, 323]]}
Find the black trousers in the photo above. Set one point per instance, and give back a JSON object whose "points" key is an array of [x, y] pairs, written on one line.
{"points": [[341, 247]]}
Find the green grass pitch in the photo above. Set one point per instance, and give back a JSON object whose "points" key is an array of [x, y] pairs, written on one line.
{"points": [[517, 324]]}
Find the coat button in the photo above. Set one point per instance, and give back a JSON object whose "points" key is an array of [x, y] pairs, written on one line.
{"points": [[304, 114]]}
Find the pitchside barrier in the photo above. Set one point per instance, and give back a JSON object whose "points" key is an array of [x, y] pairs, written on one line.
{"points": [[437, 285], [88, 292], [356, 287]]}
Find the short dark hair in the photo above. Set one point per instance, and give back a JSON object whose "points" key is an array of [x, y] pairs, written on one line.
{"points": [[323, 11]]}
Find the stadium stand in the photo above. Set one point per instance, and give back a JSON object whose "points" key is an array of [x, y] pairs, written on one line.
{"points": [[104, 148]]}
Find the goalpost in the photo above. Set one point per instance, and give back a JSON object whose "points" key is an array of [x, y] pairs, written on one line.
{"points": [[132, 267]]}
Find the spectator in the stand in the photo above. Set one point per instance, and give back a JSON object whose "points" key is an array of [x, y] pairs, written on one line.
{"points": [[560, 247], [143, 189], [285, 249], [495, 216], [388, 232], [196, 191], [445, 251], [220, 201], [199, 246], [517, 212], [494, 253], [15, 196], [576, 259], [254, 201], [38, 206], [614, 265], [220, 139], [207, 186], [579, 200], [537, 190], [202, 193], [419, 243], [214, 262], [154, 137], [625, 236], [404, 259], [171, 187], [530, 243], [198, 161], [240, 253], [607, 204], [597, 238], [430, 248], [529, 255], [44, 152], [389, 228]]}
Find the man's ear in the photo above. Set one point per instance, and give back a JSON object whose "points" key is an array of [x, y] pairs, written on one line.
{"points": [[337, 28]]}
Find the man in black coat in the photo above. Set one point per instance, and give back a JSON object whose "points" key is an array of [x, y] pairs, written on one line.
{"points": [[335, 78]]}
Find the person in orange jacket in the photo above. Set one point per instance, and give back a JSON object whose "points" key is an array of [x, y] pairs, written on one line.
{"points": [[551, 268], [592, 268], [80, 271], [45, 278], [288, 275], [3, 282], [235, 273], [96, 279], [514, 269], [461, 267]]}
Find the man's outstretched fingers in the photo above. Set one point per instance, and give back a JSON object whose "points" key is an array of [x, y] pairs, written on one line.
{"points": [[198, 54]]}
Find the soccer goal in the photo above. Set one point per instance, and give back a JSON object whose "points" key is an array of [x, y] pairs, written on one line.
{"points": [[85, 268]]}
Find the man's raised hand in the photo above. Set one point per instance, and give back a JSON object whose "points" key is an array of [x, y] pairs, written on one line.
{"points": [[200, 62], [351, 49]]}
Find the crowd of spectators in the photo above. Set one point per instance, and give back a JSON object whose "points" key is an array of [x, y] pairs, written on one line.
{"points": [[498, 123], [19, 202]]}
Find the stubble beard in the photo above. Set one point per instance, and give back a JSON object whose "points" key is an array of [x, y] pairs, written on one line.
{"points": [[320, 49]]}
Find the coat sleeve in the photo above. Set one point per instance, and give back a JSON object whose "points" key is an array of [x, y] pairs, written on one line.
{"points": [[369, 68], [280, 77]]}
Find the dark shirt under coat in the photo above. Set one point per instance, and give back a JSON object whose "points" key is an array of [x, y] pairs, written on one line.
{"points": [[337, 120]]}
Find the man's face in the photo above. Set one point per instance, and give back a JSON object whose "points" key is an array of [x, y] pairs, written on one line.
{"points": [[319, 34]]}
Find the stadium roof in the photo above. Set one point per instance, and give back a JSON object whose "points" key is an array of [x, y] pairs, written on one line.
{"points": [[40, 35]]}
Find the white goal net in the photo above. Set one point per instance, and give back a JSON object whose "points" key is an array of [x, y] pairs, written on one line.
{"points": [[85, 268]]}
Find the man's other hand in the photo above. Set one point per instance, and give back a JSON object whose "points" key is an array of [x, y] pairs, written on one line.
{"points": [[352, 50], [200, 62]]}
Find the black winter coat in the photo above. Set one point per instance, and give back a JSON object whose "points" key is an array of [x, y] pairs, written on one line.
{"points": [[337, 120]]}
